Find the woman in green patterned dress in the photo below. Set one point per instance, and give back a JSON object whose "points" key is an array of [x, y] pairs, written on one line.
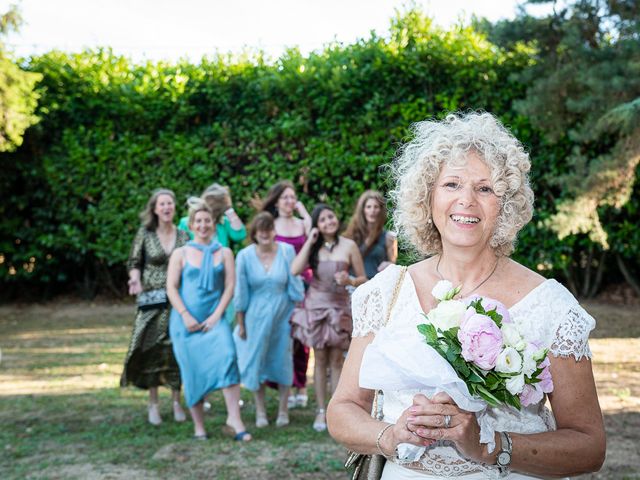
{"points": [[150, 362]]}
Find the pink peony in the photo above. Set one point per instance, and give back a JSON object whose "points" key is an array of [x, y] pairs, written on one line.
{"points": [[531, 395], [546, 382], [490, 304], [481, 340]]}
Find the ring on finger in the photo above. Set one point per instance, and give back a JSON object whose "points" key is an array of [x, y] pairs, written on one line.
{"points": [[447, 421]]}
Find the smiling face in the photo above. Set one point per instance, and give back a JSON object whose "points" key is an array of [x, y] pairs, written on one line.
{"points": [[464, 206], [265, 238], [372, 210], [287, 202], [328, 223], [165, 208], [202, 226]]}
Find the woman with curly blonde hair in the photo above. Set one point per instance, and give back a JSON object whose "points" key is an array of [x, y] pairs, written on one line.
{"points": [[462, 194], [378, 247]]}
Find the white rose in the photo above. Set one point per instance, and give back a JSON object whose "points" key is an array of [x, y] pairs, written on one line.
{"points": [[448, 314], [529, 363], [509, 361], [515, 385], [442, 289], [511, 336]]}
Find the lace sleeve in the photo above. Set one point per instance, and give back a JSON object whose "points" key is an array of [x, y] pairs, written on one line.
{"points": [[367, 311], [572, 335]]}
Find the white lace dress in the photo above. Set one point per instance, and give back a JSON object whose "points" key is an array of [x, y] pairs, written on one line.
{"points": [[549, 314]]}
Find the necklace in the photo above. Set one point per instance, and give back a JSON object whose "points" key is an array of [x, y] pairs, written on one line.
{"points": [[266, 257], [464, 295], [329, 246]]}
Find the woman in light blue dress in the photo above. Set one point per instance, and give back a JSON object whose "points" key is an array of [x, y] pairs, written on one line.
{"points": [[200, 282], [266, 293]]}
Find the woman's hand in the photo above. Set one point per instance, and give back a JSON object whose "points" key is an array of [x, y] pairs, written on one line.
{"points": [[209, 323], [242, 331], [135, 286], [313, 235], [341, 278], [191, 323], [301, 209], [400, 433], [428, 420]]}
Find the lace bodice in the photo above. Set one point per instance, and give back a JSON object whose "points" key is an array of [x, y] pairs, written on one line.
{"points": [[549, 314]]}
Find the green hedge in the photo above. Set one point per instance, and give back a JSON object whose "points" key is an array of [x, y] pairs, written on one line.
{"points": [[112, 131]]}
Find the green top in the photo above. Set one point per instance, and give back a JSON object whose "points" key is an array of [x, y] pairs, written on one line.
{"points": [[226, 234]]}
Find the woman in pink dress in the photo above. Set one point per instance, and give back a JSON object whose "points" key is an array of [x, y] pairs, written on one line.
{"points": [[281, 202], [324, 323]]}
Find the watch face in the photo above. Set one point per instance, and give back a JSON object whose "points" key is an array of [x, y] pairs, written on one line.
{"points": [[504, 459]]}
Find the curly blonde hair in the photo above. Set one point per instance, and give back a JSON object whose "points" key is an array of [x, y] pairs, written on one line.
{"points": [[418, 164]]}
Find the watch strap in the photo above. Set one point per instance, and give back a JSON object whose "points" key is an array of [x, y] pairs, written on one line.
{"points": [[505, 447]]}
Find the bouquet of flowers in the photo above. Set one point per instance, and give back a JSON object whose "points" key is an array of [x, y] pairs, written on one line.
{"points": [[486, 349], [473, 352]]}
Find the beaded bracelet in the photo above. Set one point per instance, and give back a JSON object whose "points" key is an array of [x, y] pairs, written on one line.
{"points": [[384, 429]]}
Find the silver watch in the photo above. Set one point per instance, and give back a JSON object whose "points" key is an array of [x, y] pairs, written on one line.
{"points": [[504, 455]]}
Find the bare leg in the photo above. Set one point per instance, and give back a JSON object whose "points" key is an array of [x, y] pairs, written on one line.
{"points": [[153, 395], [231, 400], [283, 407], [175, 395], [178, 412], [261, 409], [320, 375], [154, 409], [336, 360], [320, 384], [197, 414]]}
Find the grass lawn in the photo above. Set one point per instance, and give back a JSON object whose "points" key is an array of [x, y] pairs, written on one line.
{"points": [[63, 415]]}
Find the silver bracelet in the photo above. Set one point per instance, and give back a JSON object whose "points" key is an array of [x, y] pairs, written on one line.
{"points": [[384, 429]]}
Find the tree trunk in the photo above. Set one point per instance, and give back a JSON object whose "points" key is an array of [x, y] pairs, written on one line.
{"points": [[598, 280], [586, 284], [570, 283], [633, 283]]}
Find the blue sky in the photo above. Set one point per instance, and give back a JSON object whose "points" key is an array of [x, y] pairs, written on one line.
{"points": [[170, 29]]}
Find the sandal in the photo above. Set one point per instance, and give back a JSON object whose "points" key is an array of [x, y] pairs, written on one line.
{"points": [[154, 414], [178, 413], [204, 436], [243, 436], [261, 421], [301, 401], [282, 420], [320, 425]]}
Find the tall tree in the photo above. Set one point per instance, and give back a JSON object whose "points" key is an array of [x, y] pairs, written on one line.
{"points": [[17, 97], [584, 92]]}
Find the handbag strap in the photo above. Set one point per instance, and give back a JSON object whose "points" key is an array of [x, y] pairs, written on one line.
{"points": [[394, 298], [396, 292]]}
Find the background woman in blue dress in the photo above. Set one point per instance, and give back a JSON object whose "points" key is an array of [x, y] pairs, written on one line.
{"points": [[200, 283], [265, 295]]}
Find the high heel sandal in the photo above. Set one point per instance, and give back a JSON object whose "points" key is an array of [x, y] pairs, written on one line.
{"points": [[320, 425]]}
